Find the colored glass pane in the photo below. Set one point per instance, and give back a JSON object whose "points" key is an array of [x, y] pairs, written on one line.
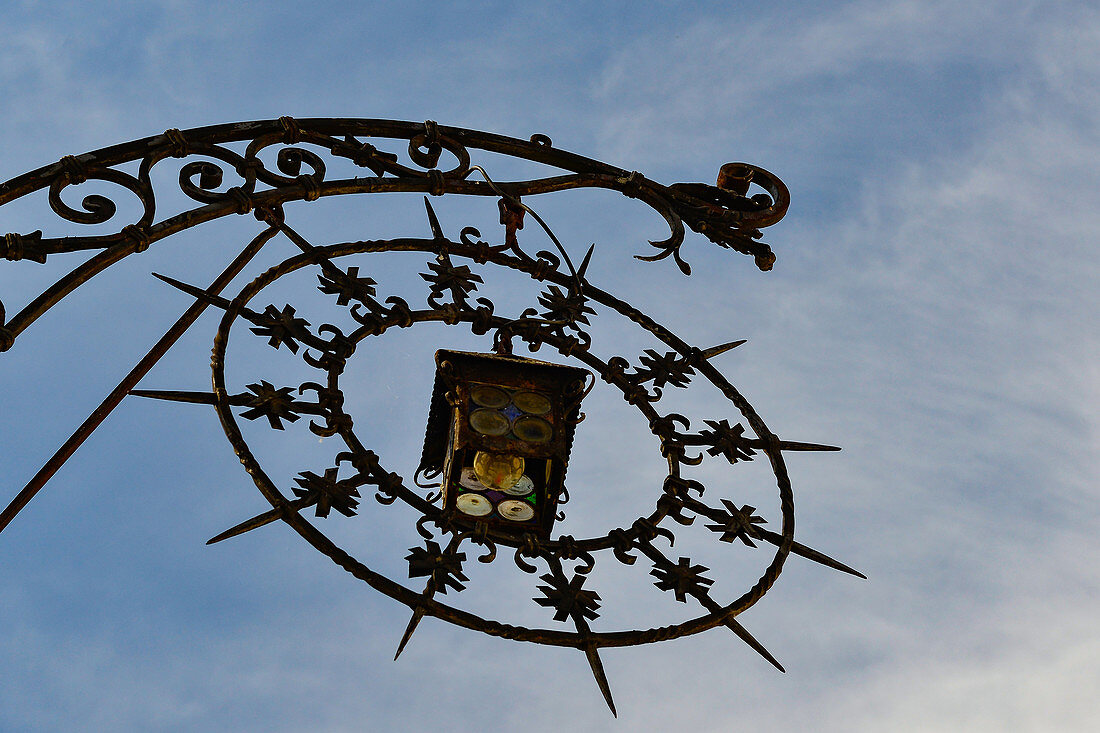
{"points": [[498, 471], [489, 422], [532, 402]]}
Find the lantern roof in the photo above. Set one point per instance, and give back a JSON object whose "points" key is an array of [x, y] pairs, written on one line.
{"points": [[516, 371]]}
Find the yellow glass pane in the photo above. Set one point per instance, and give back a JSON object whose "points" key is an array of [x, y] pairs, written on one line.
{"points": [[497, 470]]}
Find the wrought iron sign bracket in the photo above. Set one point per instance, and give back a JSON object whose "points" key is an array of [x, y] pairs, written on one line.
{"points": [[501, 426]]}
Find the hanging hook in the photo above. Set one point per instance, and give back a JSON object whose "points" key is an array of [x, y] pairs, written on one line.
{"points": [[514, 201]]}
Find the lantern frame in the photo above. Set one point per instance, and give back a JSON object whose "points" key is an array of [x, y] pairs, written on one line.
{"points": [[452, 442]]}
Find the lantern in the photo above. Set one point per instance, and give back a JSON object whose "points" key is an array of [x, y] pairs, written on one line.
{"points": [[500, 429]]}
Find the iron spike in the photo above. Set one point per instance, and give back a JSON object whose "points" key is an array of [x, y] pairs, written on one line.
{"points": [[591, 651], [246, 526], [428, 593], [196, 292], [437, 231], [197, 398], [741, 631], [418, 613], [807, 552], [585, 262], [261, 520], [721, 348], [794, 445]]}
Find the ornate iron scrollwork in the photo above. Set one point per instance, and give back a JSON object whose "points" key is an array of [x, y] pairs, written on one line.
{"points": [[223, 180]]}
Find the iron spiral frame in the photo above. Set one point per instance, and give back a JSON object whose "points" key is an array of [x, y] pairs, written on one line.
{"points": [[725, 214]]}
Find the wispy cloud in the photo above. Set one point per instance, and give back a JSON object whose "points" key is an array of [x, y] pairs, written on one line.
{"points": [[932, 311]]}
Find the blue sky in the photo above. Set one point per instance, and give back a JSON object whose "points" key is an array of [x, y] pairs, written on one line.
{"points": [[932, 310]]}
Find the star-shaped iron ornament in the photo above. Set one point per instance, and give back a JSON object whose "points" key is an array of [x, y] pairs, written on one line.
{"points": [[330, 493], [444, 276], [569, 597], [443, 567], [569, 308], [738, 524], [274, 403], [349, 287], [682, 579], [661, 369], [281, 327], [729, 441]]}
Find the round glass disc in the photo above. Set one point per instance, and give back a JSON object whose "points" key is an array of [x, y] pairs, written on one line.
{"points": [[523, 487], [516, 511], [489, 397], [532, 402], [533, 429], [489, 422], [468, 480], [475, 505]]}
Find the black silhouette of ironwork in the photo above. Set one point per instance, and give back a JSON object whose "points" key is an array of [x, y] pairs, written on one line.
{"points": [[221, 180]]}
